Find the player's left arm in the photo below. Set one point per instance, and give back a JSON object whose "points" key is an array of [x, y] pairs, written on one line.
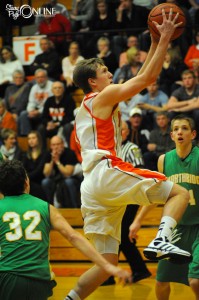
{"points": [[80, 242]]}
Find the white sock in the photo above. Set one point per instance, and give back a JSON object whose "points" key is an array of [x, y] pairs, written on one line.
{"points": [[167, 224], [72, 295]]}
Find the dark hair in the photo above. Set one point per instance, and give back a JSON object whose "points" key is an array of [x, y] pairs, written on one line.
{"points": [[9, 49], [183, 117], [12, 177], [84, 70]]}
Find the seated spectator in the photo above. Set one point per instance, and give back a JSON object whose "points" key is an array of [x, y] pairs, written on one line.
{"points": [[103, 21], [58, 7], [9, 148], [129, 16], [152, 102], [8, 64], [31, 118], [57, 111], [58, 171], [170, 76], [6, 118], [48, 60], [105, 53], [33, 162], [193, 11], [139, 135], [57, 28], [77, 96], [69, 62], [132, 41], [159, 141], [186, 98], [128, 105], [17, 94], [81, 14], [192, 56], [131, 68]]}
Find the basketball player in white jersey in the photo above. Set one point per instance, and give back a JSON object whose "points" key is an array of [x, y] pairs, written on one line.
{"points": [[109, 183]]}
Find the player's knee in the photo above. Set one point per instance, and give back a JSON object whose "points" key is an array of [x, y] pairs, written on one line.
{"points": [[184, 194], [162, 285]]}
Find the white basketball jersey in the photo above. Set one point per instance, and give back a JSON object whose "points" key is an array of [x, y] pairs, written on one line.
{"points": [[97, 138]]}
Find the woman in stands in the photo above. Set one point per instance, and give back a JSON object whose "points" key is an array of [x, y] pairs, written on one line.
{"points": [[8, 64], [33, 162]]}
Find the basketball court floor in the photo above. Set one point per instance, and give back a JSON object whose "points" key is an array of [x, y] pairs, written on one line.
{"points": [[68, 273]]}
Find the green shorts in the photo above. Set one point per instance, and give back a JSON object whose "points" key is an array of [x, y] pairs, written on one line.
{"points": [[169, 272], [14, 287]]}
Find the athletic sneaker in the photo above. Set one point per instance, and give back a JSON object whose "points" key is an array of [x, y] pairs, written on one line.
{"points": [[161, 248]]}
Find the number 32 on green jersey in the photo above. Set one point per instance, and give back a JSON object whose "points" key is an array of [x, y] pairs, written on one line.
{"points": [[16, 232]]}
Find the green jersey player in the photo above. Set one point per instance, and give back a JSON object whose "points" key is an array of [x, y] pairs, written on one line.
{"points": [[25, 223]]}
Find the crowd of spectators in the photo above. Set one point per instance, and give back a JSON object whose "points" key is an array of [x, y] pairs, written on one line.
{"points": [[43, 109]]}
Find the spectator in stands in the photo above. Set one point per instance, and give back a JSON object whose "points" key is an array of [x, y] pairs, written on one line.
{"points": [[8, 64], [17, 94], [170, 76], [192, 56], [132, 41], [58, 170], [159, 141], [41, 90], [9, 148], [5, 23], [132, 154], [48, 60], [105, 53], [193, 11], [130, 69], [57, 111], [129, 16], [57, 28], [33, 162], [103, 21], [185, 40], [152, 102], [128, 105], [77, 96], [6, 118], [58, 7], [69, 62], [139, 135], [81, 14], [186, 98]]}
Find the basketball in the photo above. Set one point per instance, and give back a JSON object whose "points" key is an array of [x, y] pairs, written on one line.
{"points": [[156, 15]]}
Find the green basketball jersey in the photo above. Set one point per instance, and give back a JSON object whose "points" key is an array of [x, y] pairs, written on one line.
{"points": [[24, 236], [185, 172]]}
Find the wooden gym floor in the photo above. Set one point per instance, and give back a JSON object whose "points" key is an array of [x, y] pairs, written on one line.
{"points": [[68, 273]]}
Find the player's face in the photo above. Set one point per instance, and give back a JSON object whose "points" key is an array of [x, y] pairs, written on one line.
{"points": [[103, 78], [181, 133]]}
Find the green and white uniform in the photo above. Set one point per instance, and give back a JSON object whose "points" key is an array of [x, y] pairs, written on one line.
{"points": [[24, 239], [185, 172]]}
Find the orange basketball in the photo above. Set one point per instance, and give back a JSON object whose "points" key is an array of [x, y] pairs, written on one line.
{"points": [[156, 15]]}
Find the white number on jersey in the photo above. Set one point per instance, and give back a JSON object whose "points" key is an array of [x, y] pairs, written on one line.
{"points": [[15, 225]]}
